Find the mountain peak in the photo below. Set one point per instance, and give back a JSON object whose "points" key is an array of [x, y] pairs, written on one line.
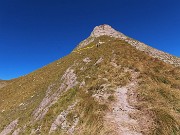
{"points": [[102, 30], [107, 30]]}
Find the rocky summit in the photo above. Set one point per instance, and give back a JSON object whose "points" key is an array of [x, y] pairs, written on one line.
{"points": [[110, 84], [106, 30]]}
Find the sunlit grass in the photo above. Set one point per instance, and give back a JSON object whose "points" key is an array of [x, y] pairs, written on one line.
{"points": [[158, 90]]}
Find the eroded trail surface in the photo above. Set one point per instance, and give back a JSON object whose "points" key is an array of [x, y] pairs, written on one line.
{"points": [[119, 116]]}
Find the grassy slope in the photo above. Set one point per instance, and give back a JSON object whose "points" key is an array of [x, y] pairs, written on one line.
{"points": [[158, 92]]}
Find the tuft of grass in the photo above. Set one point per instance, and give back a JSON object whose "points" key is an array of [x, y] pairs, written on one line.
{"points": [[165, 123], [111, 98]]}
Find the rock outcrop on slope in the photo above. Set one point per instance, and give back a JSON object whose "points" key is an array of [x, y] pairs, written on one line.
{"points": [[109, 31], [2, 84]]}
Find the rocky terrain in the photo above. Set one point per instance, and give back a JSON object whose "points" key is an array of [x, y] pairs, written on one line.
{"points": [[109, 85]]}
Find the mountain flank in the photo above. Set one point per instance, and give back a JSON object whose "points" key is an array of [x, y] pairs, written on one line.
{"points": [[109, 84]]}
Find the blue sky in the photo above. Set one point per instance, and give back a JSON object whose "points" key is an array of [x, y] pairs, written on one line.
{"points": [[34, 33]]}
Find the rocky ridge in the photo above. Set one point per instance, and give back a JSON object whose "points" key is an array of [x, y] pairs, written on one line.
{"points": [[109, 31]]}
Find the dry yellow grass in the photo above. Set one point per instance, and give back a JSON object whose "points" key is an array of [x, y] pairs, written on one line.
{"points": [[158, 92]]}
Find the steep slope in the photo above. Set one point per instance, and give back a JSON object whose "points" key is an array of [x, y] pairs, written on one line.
{"points": [[114, 88]]}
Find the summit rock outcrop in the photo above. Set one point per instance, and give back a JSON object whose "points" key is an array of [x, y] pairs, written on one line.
{"points": [[106, 30]]}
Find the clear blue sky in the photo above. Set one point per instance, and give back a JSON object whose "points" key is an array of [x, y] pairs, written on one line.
{"points": [[34, 33]]}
